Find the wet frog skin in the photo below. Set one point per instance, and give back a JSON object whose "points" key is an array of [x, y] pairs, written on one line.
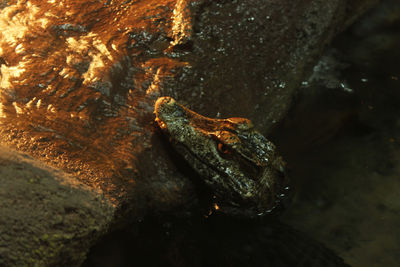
{"points": [[238, 163]]}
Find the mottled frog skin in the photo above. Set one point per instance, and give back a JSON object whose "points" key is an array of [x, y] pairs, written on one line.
{"points": [[238, 163]]}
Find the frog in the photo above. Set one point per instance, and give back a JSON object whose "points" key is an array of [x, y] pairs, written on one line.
{"points": [[241, 167]]}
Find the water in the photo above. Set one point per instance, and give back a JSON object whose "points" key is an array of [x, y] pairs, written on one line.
{"points": [[343, 146]]}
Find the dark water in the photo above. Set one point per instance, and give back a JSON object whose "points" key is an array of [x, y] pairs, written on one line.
{"points": [[342, 144], [342, 141]]}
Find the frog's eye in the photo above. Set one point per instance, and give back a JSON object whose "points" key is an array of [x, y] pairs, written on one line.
{"points": [[223, 149]]}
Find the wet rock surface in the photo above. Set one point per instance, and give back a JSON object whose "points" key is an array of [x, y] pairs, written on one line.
{"points": [[79, 80]]}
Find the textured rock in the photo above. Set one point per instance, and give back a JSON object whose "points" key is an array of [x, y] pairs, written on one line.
{"points": [[79, 79], [47, 216]]}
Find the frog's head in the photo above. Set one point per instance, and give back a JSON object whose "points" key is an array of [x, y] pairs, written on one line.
{"points": [[236, 161]]}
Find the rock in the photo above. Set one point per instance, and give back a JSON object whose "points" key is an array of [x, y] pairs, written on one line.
{"points": [[46, 214], [79, 80]]}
